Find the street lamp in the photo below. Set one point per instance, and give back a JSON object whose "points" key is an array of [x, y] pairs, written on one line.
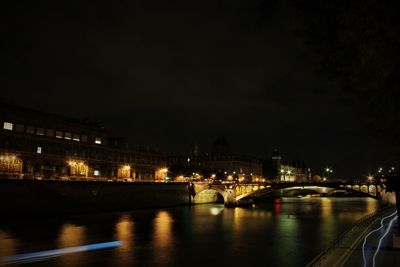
{"points": [[289, 172], [327, 171], [283, 172]]}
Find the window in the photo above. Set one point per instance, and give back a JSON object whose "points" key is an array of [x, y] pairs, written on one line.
{"points": [[84, 138], [39, 150], [40, 131], [59, 134], [8, 126], [19, 128], [50, 132], [67, 136], [30, 130], [76, 137], [96, 172], [97, 140]]}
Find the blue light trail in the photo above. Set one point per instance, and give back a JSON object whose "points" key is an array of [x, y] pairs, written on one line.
{"points": [[47, 254]]}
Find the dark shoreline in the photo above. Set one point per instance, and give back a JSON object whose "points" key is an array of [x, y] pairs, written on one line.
{"points": [[50, 197]]}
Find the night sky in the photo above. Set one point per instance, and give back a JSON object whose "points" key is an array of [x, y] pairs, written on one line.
{"points": [[171, 74]]}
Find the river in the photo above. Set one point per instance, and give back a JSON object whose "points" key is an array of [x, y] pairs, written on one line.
{"points": [[288, 232]]}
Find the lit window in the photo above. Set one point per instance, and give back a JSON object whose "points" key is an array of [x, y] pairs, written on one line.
{"points": [[84, 138], [8, 126], [67, 136], [50, 132], [97, 140], [19, 128], [39, 150], [96, 172], [40, 131], [30, 130], [76, 137], [59, 134]]}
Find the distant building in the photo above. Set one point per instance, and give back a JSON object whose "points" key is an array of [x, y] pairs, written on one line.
{"points": [[35, 144], [283, 171], [220, 164]]}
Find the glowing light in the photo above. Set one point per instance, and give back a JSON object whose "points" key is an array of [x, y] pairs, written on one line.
{"points": [[8, 126], [216, 210], [127, 167]]}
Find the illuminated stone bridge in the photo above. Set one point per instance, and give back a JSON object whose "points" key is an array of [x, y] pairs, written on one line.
{"points": [[236, 194]]}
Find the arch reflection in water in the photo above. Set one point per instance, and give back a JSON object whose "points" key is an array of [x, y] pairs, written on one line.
{"points": [[163, 241], [216, 210]]}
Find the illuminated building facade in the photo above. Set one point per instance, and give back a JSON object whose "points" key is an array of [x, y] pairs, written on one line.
{"points": [[220, 167], [36, 144], [220, 164], [296, 171]]}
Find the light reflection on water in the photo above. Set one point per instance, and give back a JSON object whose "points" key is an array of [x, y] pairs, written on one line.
{"points": [[8, 245], [124, 232], [71, 235], [163, 238], [288, 232]]}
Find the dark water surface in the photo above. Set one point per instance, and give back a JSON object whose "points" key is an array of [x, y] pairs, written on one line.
{"points": [[289, 232]]}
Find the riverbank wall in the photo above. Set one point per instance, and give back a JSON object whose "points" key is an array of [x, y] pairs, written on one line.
{"points": [[19, 196]]}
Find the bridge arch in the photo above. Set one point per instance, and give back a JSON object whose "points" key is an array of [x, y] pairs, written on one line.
{"points": [[232, 195], [209, 196], [364, 188], [372, 189], [356, 187]]}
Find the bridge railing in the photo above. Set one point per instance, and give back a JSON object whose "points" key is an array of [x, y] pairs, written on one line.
{"points": [[320, 258]]}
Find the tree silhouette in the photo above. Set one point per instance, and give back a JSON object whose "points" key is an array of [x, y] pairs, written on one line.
{"points": [[357, 44]]}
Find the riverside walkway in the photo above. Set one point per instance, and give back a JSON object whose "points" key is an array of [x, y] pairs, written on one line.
{"points": [[347, 249]]}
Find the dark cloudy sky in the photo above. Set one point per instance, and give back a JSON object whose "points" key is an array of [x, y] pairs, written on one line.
{"points": [[174, 73]]}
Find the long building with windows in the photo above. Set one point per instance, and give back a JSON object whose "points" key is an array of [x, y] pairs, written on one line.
{"points": [[40, 145]]}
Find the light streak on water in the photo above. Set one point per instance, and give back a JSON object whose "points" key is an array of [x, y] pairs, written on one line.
{"points": [[47, 254]]}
